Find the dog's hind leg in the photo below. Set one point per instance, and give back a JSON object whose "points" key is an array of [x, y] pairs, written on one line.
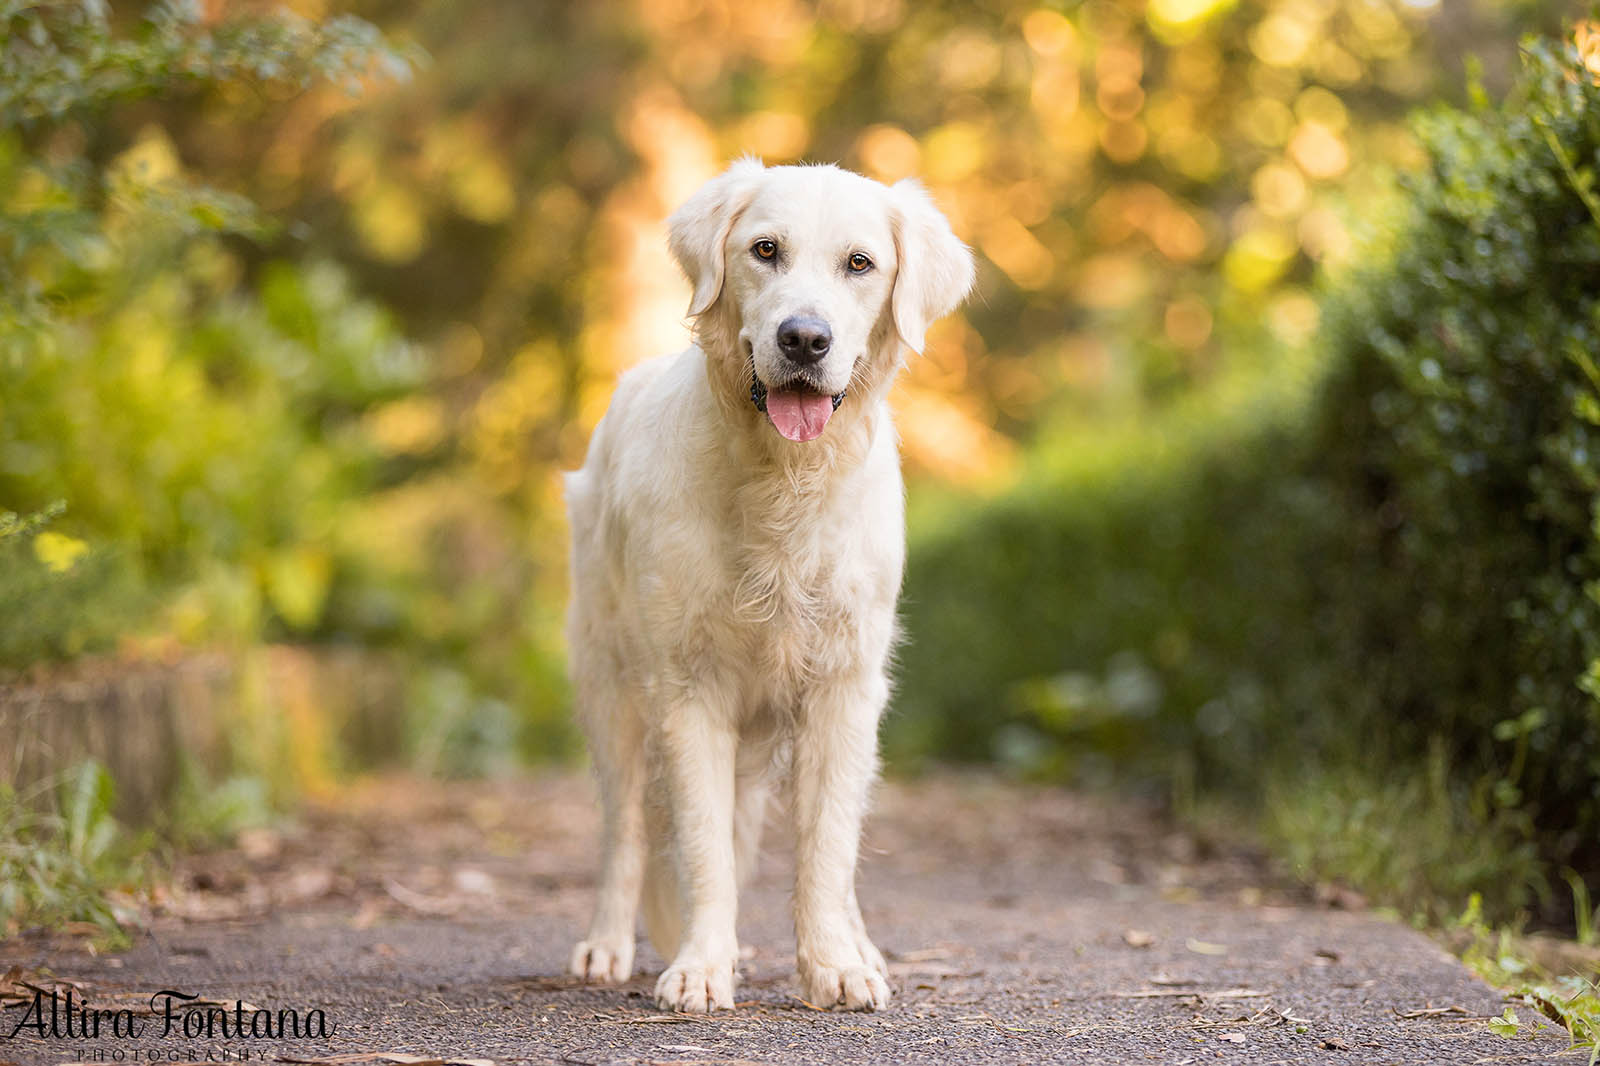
{"points": [[752, 794], [616, 744], [749, 819], [756, 772], [663, 902]]}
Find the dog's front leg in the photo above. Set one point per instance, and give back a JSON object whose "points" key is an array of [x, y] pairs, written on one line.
{"points": [[696, 746], [606, 953], [835, 760]]}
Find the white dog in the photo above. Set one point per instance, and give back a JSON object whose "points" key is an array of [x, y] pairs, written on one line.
{"points": [[737, 544]]}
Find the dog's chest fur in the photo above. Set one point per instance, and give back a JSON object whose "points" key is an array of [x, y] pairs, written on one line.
{"points": [[798, 598]]}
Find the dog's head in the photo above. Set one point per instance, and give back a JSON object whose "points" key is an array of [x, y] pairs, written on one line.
{"points": [[819, 276]]}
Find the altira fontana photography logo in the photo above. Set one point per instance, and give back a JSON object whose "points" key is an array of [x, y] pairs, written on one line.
{"points": [[58, 1015]]}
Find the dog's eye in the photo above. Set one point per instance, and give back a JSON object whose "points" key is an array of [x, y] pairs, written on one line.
{"points": [[859, 263], [765, 249]]}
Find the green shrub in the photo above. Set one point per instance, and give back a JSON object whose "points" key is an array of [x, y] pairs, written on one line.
{"points": [[45, 578], [1122, 609], [198, 433], [247, 449], [1309, 590], [1460, 432]]}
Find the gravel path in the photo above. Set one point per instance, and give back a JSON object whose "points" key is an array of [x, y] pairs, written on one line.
{"points": [[1022, 925]]}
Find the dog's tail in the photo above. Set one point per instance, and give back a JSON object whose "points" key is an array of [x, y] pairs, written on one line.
{"points": [[661, 898]]}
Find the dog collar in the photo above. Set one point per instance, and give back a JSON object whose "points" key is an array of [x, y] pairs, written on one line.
{"points": [[758, 394]]}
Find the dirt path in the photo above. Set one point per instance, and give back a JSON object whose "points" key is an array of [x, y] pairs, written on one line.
{"points": [[1022, 925]]}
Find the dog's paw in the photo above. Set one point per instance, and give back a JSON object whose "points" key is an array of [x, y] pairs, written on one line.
{"points": [[696, 987], [851, 987], [607, 960]]}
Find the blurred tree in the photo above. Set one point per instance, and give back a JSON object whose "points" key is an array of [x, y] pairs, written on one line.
{"points": [[1149, 185], [169, 410], [1136, 176]]}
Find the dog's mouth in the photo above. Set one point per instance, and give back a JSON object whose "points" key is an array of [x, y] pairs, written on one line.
{"points": [[797, 411]]}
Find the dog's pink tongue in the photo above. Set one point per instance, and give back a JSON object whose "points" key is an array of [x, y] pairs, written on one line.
{"points": [[799, 414]]}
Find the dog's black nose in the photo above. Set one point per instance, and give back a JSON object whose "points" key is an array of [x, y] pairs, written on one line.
{"points": [[804, 338]]}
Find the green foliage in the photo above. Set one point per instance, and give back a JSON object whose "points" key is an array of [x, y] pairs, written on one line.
{"points": [[200, 434], [206, 814], [1407, 833], [1461, 434], [204, 441], [1112, 605], [1505, 1025], [1570, 1001], [64, 58], [248, 448], [62, 855], [1398, 575], [45, 579], [64, 858]]}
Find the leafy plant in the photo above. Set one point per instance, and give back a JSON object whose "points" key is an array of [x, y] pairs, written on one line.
{"points": [[63, 857], [1388, 566], [65, 58], [1571, 1001], [1460, 432], [143, 381]]}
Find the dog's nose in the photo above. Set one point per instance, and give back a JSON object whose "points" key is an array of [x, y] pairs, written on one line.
{"points": [[804, 338]]}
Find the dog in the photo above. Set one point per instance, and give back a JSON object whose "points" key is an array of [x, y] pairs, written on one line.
{"points": [[738, 537]]}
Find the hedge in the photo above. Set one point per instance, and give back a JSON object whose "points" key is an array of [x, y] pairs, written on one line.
{"points": [[1391, 578]]}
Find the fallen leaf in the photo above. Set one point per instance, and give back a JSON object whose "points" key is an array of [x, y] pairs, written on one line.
{"points": [[1200, 993], [929, 969], [1137, 938], [417, 901], [1333, 1043], [651, 1019], [1285, 1016], [369, 912], [259, 844], [923, 955], [1204, 947], [308, 884], [1431, 1012], [1232, 1038]]}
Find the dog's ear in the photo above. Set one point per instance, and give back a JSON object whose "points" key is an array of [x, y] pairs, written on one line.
{"points": [[697, 231], [935, 272]]}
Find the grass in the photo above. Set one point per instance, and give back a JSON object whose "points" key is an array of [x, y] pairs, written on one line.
{"points": [[1569, 1001], [64, 860], [1417, 842], [66, 863], [1413, 842]]}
